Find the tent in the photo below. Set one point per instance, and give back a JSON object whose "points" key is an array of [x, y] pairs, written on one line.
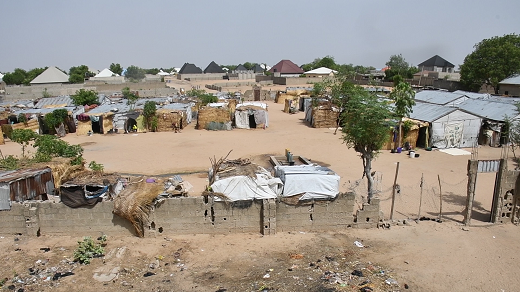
{"points": [[448, 126], [251, 115], [309, 181]]}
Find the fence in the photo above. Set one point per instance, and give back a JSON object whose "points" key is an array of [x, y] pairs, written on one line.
{"points": [[422, 196]]}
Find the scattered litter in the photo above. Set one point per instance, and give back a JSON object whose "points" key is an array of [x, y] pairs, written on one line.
{"points": [[296, 256], [465, 229], [391, 281], [61, 275], [358, 244], [357, 273], [45, 249], [406, 286], [267, 276], [148, 274]]}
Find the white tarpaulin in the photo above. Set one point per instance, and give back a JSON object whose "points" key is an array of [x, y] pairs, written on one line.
{"points": [[242, 119], [314, 182], [240, 188]]}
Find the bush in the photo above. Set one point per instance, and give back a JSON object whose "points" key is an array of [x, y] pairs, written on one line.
{"points": [[97, 167], [51, 146], [89, 249], [9, 163], [85, 97]]}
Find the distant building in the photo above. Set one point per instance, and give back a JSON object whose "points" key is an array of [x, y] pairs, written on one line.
{"points": [[320, 72], [52, 75], [510, 86], [213, 68], [437, 64], [189, 68], [286, 68]]}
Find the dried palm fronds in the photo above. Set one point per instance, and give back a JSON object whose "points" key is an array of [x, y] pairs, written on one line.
{"points": [[135, 202]]}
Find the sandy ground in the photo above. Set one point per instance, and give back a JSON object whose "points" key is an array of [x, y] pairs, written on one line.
{"points": [[427, 256]]}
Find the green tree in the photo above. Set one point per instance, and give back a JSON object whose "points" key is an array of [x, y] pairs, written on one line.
{"points": [[249, 65], [398, 66], [17, 77], [152, 71], [130, 96], [366, 128], [49, 146], [327, 61], [134, 72], [404, 99], [85, 97], [116, 68], [149, 111], [33, 74], [55, 118], [492, 61], [78, 74], [24, 137], [364, 118]]}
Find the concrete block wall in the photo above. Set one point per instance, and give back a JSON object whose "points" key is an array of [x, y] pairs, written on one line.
{"points": [[318, 216], [190, 215]]}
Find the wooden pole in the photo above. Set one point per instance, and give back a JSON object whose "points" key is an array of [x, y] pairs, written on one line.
{"points": [[440, 198], [393, 192], [420, 197]]}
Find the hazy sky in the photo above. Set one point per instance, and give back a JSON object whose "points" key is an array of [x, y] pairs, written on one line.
{"points": [[153, 33]]}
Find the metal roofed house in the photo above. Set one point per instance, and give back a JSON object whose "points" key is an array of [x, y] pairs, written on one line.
{"points": [[320, 72], [213, 68], [23, 185], [440, 97], [473, 94], [240, 69], [510, 86], [447, 126], [437, 64], [54, 102], [50, 76], [257, 69], [286, 68], [189, 68]]}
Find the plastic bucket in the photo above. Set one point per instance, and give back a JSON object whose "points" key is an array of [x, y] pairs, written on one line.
{"points": [[412, 154]]}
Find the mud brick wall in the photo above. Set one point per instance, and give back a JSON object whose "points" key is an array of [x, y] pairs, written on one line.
{"points": [[506, 200], [190, 215]]}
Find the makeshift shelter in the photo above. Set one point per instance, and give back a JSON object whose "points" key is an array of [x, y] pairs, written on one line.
{"points": [[308, 181], [90, 188], [494, 112], [411, 136], [251, 115], [245, 182], [325, 116], [100, 123], [214, 117], [447, 126], [167, 118], [25, 184], [440, 97]]}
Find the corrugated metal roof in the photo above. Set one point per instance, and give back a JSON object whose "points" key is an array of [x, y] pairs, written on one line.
{"points": [[513, 80], [437, 96], [50, 101], [42, 111], [13, 175], [490, 109], [473, 94], [428, 112]]}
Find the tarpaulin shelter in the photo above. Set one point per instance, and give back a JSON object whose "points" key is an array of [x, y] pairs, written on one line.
{"points": [[308, 181], [251, 115]]}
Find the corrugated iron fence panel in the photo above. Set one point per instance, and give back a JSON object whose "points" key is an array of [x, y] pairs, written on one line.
{"points": [[31, 188], [488, 165], [5, 200]]}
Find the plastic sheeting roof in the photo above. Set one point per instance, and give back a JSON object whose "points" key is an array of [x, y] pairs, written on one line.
{"points": [[313, 181]]}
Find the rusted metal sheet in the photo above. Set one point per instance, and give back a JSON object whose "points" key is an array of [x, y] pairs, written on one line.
{"points": [[488, 166], [28, 184]]}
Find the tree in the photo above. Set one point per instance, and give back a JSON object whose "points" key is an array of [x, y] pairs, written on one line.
{"points": [[249, 65], [404, 99], [78, 74], [152, 71], [23, 137], [31, 74], [130, 96], [366, 128], [327, 61], [85, 97], [398, 66], [492, 61], [116, 68], [149, 111], [49, 146], [134, 72], [54, 119], [17, 77]]}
